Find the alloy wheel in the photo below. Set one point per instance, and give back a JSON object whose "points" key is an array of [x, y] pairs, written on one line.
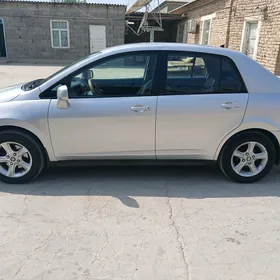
{"points": [[15, 160], [249, 159]]}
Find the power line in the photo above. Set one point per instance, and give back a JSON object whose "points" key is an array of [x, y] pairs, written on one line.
{"points": [[90, 16]]}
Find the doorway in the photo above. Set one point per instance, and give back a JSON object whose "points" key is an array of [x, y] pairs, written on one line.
{"points": [[182, 33], [3, 49], [97, 36]]}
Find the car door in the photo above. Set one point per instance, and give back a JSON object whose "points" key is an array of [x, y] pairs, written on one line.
{"points": [[107, 121], [202, 99]]}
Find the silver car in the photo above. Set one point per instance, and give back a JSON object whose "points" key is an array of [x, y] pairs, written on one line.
{"points": [[166, 103]]}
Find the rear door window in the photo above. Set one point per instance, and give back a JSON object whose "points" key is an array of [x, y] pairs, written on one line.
{"points": [[200, 73], [190, 74]]}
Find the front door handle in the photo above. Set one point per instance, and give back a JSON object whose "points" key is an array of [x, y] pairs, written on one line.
{"points": [[230, 105], [140, 108]]}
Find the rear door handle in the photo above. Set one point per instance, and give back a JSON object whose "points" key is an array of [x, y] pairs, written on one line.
{"points": [[230, 105], [140, 108]]}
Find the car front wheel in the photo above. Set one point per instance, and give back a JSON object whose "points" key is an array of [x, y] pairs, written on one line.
{"points": [[21, 157], [248, 157]]}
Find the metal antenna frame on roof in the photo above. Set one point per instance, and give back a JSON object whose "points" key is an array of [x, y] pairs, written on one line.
{"points": [[144, 24]]}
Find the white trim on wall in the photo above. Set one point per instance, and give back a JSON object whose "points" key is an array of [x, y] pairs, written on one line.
{"points": [[203, 19], [59, 29], [247, 20], [211, 16]]}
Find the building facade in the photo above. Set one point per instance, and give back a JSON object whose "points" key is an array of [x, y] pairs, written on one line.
{"points": [[252, 27], [58, 32]]}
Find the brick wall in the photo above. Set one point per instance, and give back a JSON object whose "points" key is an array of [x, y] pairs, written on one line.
{"points": [[228, 24], [269, 41], [28, 36], [201, 8]]}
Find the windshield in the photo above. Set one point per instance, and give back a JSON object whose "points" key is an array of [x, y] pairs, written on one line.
{"points": [[38, 82]]}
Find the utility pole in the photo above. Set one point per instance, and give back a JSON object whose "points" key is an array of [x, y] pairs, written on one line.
{"points": [[152, 30]]}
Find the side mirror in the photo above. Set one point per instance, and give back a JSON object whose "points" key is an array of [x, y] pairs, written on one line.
{"points": [[62, 97]]}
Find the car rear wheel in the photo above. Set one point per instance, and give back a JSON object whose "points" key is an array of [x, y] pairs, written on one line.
{"points": [[21, 157], [248, 157]]}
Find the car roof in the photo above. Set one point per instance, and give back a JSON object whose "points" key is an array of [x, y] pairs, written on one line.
{"points": [[172, 47]]}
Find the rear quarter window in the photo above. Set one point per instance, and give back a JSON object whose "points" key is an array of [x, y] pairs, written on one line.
{"points": [[230, 79]]}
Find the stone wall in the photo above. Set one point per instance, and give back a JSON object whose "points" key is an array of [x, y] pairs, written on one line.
{"points": [[28, 34]]}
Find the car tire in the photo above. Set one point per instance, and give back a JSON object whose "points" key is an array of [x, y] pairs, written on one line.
{"points": [[14, 167], [248, 157]]}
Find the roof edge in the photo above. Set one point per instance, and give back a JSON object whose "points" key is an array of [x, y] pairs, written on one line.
{"points": [[59, 3], [191, 5]]}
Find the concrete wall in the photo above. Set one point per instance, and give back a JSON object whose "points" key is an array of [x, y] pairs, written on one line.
{"points": [[228, 24], [28, 34]]}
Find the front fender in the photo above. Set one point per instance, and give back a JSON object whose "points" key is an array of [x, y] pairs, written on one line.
{"points": [[29, 115]]}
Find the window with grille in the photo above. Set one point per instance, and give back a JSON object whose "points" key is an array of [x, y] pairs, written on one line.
{"points": [[60, 33]]}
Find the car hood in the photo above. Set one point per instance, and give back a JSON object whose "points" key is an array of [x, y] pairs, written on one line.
{"points": [[10, 93]]}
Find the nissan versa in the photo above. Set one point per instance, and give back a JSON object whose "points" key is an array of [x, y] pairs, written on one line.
{"points": [[145, 102]]}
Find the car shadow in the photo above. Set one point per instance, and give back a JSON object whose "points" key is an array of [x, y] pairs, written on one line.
{"points": [[124, 183]]}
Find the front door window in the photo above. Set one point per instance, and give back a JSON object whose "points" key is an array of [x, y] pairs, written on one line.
{"points": [[122, 76]]}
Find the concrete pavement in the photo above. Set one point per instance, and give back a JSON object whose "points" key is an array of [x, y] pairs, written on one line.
{"points": [[138, 223], [16, 74]]}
